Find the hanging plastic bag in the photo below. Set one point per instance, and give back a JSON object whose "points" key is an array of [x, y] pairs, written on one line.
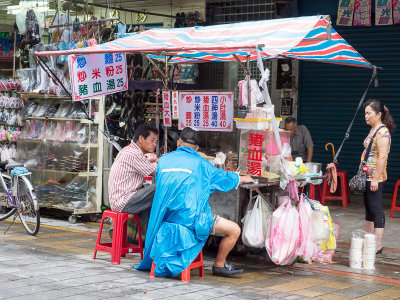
{"points": [[324, 213], [326, 256], [307, 247], [284, 234], [266, 217], [252, 234]]}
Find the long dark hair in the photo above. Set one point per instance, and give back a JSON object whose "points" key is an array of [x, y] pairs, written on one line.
{"points": [[386, 117]]}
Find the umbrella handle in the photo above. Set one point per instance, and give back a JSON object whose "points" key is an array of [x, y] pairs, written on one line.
{"points": [[333, 148]]}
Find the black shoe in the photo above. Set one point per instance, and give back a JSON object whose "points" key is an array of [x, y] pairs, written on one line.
{"points": [[379, 251], [228, 270]]}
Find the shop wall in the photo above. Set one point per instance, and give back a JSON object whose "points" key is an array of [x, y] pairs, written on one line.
{"points": [[329, 94]]}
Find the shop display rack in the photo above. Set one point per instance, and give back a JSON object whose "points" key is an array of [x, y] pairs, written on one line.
{"points": [[66, 173]]}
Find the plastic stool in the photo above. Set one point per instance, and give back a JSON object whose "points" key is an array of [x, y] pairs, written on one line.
{"points": [[119, 247], [394, 206], [185, 275], [343, 186], [312, 192]]}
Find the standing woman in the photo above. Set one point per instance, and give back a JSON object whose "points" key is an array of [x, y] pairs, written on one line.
{"points": [[378, 117]]}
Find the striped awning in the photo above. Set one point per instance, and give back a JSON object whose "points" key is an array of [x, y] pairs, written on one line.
{"points": [[307, 38]]}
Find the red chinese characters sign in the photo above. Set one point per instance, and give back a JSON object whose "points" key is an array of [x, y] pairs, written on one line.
{"points": [[255, 154], [167, 117], [206, 111], [97, 74]]}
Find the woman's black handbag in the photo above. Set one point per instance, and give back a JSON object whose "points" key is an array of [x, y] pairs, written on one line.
{"points": [[359, 181]]}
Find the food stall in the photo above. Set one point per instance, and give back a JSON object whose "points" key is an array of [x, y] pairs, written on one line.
{"points": [[307, 38]]}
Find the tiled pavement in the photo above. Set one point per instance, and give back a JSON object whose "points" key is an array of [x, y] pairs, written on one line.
{"points": [[57, 264]]}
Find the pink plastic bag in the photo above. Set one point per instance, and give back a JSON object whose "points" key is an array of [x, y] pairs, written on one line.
{"points": [[284, 234], [307, 247]]}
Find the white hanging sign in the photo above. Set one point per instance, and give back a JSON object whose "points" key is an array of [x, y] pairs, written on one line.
{"points": [[167, 118], [97, 74], [175, 105], [206, 111]]}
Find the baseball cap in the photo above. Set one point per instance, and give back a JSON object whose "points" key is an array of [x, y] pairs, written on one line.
{"points": [[191, 136]]}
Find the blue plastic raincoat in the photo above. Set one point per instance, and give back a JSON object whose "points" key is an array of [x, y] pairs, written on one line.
{"points": [[181, 219]]}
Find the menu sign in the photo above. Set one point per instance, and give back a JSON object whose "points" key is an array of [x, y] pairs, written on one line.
{"points": [[206, 111], [97, 74]]}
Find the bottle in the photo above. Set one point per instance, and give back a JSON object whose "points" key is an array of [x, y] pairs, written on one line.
{"points": [[229, 164]]}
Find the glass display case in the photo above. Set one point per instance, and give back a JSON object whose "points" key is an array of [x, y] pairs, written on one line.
{"points": [[60, 146]]}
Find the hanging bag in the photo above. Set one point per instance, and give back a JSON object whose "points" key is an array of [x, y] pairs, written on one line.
{"points": [[253, 235], [359, 181]]}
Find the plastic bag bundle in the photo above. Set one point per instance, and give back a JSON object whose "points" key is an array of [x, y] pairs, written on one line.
{"points": [[326, 256], [283, 240]]}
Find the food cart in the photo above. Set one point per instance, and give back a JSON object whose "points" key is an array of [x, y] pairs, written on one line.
{"points": [[305, 38]]}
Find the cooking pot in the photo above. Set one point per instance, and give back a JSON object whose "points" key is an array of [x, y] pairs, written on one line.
{"points": [[313, 168]]}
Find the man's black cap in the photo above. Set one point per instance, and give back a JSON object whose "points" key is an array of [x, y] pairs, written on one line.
{"points": [[190, 136]]}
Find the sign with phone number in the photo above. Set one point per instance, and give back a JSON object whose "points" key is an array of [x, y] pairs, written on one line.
{"points": [[206, 111]]}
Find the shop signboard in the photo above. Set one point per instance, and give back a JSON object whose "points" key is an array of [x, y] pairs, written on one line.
{"points": [[175, 105], [362, 13], [383, 12], [206, 111], [345, 13], [166, 97], [396, 11], [97, 74]]}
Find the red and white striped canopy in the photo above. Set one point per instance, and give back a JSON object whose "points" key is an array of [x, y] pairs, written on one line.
{"points": [[308, 38]]}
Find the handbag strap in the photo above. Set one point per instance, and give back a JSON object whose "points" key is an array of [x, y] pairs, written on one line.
{"points": [[370, 145]]}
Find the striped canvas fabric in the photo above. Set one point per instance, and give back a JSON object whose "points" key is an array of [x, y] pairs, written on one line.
{"points": [[291, 37]]}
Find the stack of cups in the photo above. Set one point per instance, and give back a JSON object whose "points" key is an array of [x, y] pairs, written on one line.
{"points": [[369, 251], [355, 255]]}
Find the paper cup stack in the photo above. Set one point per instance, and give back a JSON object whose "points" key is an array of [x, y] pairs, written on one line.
{"points": [[356, 251], [369, 251]]}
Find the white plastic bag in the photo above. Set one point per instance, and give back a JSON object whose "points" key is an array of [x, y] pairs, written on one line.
{"points": [[252, 234], [284, 237], [266, 217]]}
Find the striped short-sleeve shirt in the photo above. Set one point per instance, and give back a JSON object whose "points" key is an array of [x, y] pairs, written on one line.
{"points": [[126, 175]]}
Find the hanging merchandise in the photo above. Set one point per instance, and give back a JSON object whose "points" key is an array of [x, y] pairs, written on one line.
{"points": [[345, 13], [362, 13], [383, 12], [32, 34]]}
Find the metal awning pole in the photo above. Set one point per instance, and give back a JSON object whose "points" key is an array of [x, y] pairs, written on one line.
{"points": [[248, 84], [165, 88]]}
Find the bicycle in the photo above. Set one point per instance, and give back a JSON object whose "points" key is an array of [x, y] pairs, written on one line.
{"points": [[18, 198]]}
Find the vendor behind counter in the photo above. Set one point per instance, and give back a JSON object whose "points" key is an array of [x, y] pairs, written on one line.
{"points": [[300, 140]]}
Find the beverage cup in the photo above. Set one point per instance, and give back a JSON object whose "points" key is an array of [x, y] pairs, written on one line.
{"points": [[355, 264], [354, 252], [357, 243], [369, 264]]}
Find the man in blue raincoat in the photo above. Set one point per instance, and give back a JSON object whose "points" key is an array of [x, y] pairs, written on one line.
{"points": [[181, 219]]}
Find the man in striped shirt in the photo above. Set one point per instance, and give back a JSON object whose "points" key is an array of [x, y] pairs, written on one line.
{"points": [[125, 184]]}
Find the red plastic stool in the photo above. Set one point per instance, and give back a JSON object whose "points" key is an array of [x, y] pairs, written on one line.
{"points": [[185, 275], [394, 206], [342, 192], [312, 192], [119, 247]]}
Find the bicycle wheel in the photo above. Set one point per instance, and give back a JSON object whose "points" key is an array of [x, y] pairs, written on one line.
{"points": [[30, 217], [6, 209]]}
